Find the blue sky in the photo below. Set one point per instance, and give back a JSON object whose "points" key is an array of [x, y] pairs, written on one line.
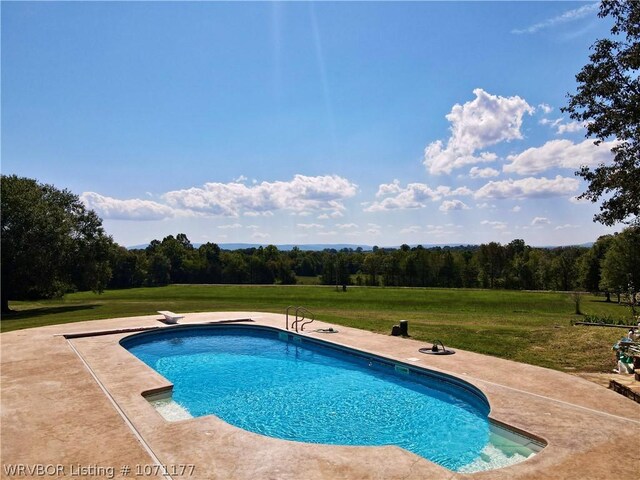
{"points": [[378, 123]]}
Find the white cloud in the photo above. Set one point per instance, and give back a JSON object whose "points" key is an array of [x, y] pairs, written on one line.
{"points": [[230, 226], [529, 187], [447, 192], [389, 188], [133, 209], [540, 221], [561, 127], [484, 121], [260, 235], [411, 229], [476, 172], [267, 213], [346, 226], [516, 209], [334, 214], [449, 205], [300, 194], [570, 127], [566, 225], [494, 224], [328, 234], [546, 109], [565, 17], [307, 226], [559, 153], [415, 195], [252, 227]]}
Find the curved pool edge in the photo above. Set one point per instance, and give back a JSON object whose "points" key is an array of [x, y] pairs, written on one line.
{"points": [[434, 374], [507, 438]]}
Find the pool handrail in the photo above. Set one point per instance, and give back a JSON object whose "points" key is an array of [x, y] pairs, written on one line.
{"points": [[287, 316], [304, 317]]}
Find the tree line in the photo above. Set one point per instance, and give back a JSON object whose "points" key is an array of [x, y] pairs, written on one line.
{"points": [[611, 265]]}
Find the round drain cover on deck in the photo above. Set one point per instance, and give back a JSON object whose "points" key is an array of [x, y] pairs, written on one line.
{"points": [[439, 351]]}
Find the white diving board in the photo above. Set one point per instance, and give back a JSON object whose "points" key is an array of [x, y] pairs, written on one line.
{"points": [[170, 317]]}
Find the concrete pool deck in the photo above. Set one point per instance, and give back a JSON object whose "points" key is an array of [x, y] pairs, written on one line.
{"points": [[76, 404]]}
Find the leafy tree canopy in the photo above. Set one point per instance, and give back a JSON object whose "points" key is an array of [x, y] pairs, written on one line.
{"points": [[50, 242], [621, 263], [608, 101]]}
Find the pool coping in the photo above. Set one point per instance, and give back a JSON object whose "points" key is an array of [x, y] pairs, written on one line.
{"points": [[563, 410]]}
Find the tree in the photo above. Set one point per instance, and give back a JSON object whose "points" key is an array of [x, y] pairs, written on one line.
{"points": [[372, 267], [128, 267], [516, 271], [176, 250], [491, 259], [591, 266], [608, 101], [159, 272], [448, 273], [564, 267], [211, 267], [50, 242], [234, 268], [621, 264]]}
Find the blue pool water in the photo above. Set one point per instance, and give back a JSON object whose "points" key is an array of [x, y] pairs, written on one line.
{"points": [[286, 387]]}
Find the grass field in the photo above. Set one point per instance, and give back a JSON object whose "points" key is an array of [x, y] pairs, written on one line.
{"points": [[531, 327]]}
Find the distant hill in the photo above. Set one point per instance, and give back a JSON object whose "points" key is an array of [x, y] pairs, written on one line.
{"points": [[586, 245], [312, 246], [284, 247], [317, 247]]}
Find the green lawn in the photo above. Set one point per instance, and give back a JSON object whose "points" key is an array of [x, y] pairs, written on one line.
{"points": [[531, 327]]}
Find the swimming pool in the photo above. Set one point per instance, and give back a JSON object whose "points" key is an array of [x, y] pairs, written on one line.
{"points": [[296, 388]]}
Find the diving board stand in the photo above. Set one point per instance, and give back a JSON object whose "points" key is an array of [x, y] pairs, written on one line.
{"points": [[170, 317]]}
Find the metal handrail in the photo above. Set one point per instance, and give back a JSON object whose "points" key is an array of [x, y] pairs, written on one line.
{"points": [[287, 314], [304, 317], [297, 320], [301, 316]]}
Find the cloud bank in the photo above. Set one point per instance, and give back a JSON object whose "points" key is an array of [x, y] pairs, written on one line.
{"points": [[530, 187], [132, 209], [414, 195], [301, 195]]}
